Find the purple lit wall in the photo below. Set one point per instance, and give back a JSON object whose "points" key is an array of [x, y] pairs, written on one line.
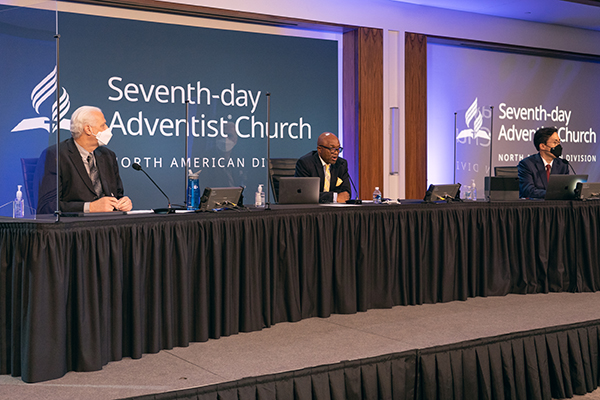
{"points": [[526, 92]]}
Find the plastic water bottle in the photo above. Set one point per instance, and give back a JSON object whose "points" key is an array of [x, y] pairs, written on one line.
{"points": [[193, 201], [377, 196], [473, 190], [19, 204], [259, 197], [467, 192]]}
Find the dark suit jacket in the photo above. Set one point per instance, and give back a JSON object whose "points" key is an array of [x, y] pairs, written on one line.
{"points": [[75, 185], [310, 165], [532, 175]]}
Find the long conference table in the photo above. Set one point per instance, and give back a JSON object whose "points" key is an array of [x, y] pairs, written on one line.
{"points": [[82, 292]]}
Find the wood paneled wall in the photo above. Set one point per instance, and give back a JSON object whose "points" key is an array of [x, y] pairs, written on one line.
{"points": [[363, 106], [415, 67]]}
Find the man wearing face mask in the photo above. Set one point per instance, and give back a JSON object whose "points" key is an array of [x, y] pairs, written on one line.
{"points": [[89, 172], [535, 171]]}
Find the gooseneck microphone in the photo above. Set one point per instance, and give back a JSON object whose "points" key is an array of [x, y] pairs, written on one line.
{"points": [[569, 164], [169, 210], [353, 201]]}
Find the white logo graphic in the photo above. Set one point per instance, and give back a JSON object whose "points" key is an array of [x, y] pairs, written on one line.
{"points": [[473, 114], [39, 94]]}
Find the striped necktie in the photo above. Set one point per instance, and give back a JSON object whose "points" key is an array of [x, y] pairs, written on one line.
{"points": [[548, 168], [327, 182], [94, 176]]}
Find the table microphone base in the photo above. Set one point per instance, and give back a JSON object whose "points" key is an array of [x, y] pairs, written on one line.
{"points": [[168, 210], [354, 201], [164, 210]]}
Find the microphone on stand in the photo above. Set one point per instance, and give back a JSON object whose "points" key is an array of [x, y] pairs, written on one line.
{"points": [[353, 201], [569, 164], [168, 210]]}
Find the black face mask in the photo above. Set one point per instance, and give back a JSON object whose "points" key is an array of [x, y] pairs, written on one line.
{"points": [[556, 151]]}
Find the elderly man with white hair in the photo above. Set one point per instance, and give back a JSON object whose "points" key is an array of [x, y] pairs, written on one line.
{"points": [[89, 178]]}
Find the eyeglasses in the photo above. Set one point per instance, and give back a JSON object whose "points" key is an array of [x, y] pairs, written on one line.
{"points": [[333, 149]]}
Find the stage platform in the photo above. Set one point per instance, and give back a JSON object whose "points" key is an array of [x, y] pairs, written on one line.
{"points": [[315, 342]]}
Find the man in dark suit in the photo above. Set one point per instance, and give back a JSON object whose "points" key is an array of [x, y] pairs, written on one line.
{"points": [[535, 170], [326, 163], [89, 172]]}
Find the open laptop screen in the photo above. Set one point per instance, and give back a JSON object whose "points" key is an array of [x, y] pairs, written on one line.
{"points": [[562, 187], [299, 190]]}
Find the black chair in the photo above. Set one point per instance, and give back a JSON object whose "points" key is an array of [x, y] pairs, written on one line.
{"points": [[279, 168], [508, 171], [29, 165]]}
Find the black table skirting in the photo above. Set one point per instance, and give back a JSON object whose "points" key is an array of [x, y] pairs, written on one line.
{"points": [[549, 363], [83, 292], [556, 362], [385, 377]]}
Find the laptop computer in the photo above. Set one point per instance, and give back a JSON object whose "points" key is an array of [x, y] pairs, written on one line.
{"points": [[562, 187], [299, 190]]}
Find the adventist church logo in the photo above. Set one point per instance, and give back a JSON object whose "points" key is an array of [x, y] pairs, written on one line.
{"points": [[39, 94], [474, 127]]}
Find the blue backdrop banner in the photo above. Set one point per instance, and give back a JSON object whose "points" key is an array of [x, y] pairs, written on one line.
{"points": [[27, 93], [144, 75]]}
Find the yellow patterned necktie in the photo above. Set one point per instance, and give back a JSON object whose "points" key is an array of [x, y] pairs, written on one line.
{"points": [[327, 179]]}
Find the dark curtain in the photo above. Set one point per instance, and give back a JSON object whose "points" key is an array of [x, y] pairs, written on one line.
{"points": [[82, 292]]}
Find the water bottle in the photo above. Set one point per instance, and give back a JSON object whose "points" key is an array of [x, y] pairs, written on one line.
{"points": [[473, 190], [19, 204], [259, 197], [467, 193], [193, 200], [377, 196]]}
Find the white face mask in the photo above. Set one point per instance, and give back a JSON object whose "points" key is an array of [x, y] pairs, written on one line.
{"points": [[225, 144], [104, 137]]}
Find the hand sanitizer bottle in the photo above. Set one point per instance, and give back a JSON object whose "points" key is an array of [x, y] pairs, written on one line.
{"points": [[259, 197], [19, 204]]}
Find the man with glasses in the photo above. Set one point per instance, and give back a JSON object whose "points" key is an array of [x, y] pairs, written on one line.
{"points": [[535, 170], [326, 163], [89, 172]]}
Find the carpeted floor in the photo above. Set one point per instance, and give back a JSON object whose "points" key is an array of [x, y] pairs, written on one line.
{"points": [[312, 342]]}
